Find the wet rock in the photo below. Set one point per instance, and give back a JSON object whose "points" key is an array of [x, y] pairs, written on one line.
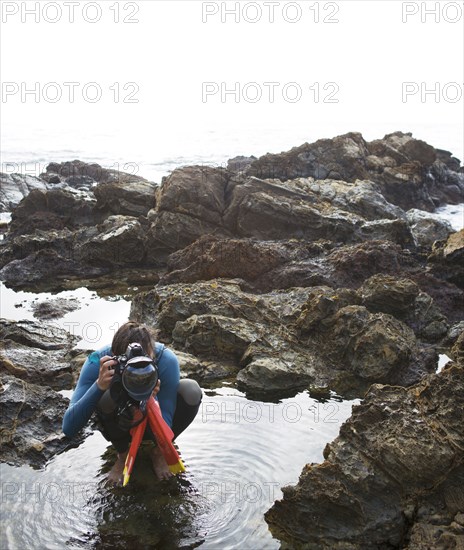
{"points": [[14, 187], [396, 231], [360, 197], [30, 422], [267, 210], [204, 370], [216, 336], [119, 242], [210, 258], [54, 308], [37, 353], [358, 346], [373, 347], [339, 158], [170, 231], [352, 265], [21, 246], [53, 209], [38, 267], [399, 453], [454, 333], [384, 293], [457, 351], [409, 172], [126, 198], [426, 229], [80, 169], [447, 259], [322, 304], [164, 306], [286, 339], [277, 365], [240, 163], [196, 191], [36, 335]]}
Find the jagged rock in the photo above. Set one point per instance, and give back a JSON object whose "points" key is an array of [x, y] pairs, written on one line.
{"points": [[267, 210], [36, 335], [361, 197], [396, 231], [79, 169], [403, 299], [37, 353], [351, 340], [53, 209], [339, 158], [30, 422], [55, 308], [426, 229], [457, 351], [447, 259], [210, 257], [119, 242], [406, 169], [401, 451], [126, 198], [197, 191], [240, 163], [322, 304], [384, 293], [375, 347], [38, 267], [352, 265], [164, 306], [454, 333], [276, 364], [216, 336], [14, 187], [270, 362], [171, 231], [338, 345], [205, 370]]}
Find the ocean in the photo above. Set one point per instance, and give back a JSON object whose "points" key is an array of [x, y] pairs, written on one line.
{"points": [[154, 155]]}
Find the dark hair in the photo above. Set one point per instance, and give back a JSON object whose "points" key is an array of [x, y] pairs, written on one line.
{"points": [[130, 332]]}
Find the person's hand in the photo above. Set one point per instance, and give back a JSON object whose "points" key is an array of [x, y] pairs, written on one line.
{"points": [[157, 388], [106, 372]]}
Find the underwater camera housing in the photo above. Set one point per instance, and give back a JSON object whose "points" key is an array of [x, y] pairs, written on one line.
{"points": [[137, 372]]}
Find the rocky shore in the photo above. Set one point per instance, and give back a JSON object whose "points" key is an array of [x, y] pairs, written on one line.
{"points": [[321, 268]]}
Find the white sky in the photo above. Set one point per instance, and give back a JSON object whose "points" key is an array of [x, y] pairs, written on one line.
{"points": [[171, 52]]}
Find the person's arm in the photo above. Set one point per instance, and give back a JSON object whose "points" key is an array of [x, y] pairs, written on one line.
{"points": [[85, 397], [169, 374]]}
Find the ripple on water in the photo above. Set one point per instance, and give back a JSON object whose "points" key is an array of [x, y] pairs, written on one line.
{"points": [[238, 454]]}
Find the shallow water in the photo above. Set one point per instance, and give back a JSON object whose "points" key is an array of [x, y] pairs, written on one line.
{"points": [[238, 453], [94, 322]]}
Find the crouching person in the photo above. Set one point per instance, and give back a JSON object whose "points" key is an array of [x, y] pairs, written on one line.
{"points": [[114, 390]]}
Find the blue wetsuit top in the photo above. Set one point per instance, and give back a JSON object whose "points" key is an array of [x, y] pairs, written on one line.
{"points": [[87, 394]]}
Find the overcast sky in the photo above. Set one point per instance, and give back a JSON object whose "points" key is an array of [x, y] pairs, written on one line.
{"points": [[160, 67]]}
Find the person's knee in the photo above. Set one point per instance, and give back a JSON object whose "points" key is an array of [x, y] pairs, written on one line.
{"points": [[190, 392]]}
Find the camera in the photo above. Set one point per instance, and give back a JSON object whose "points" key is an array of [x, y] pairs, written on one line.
{"points": [[137, 372]]}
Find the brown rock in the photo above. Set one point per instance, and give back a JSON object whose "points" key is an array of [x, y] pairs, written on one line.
{"points": [[399, 453]]}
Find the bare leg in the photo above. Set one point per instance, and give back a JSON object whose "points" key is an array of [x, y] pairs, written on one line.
{"points": [[115, 475], [159, 464]]}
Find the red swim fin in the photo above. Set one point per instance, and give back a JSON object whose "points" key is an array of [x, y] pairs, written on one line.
{"points": [[137, 436], [164, 436]]}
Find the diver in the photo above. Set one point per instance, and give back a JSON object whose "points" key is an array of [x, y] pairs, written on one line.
{"points": [[116, 396]]}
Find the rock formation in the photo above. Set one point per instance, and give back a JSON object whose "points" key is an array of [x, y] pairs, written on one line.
{"points": [[393, 478]]}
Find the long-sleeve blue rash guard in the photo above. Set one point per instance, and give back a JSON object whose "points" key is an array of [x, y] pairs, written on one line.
{"points": [[87, 394]]}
